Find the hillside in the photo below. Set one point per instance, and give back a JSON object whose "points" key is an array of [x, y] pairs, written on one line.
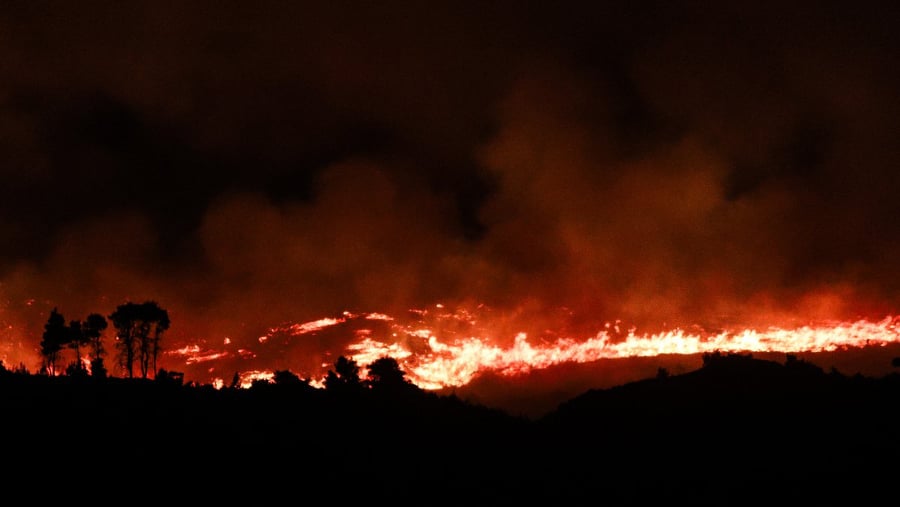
{"points": [[738, 430], [541, 391]]}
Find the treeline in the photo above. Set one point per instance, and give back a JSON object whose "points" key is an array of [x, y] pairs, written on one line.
{"points": [[139, 330], [138, 343]]}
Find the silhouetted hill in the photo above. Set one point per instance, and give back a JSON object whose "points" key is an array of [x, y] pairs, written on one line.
{"points": [[739, 430], [731, 384], [164, 441], [736, 431], [542, 391], [537, 393]]}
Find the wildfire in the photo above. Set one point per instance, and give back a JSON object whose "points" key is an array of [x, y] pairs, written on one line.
{"points": [[194, 354], [441, 346], [456, 355]]}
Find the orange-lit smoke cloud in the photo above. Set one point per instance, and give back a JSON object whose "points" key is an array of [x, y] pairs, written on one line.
{"points": [[696, 177]]}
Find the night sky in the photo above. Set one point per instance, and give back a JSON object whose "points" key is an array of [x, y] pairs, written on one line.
{"points": [[252, 164]]}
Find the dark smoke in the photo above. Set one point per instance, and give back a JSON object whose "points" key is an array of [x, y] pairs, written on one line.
{"points": [[248, 166]]}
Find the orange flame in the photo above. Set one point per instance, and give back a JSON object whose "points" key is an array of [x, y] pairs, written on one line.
{"points": [[435, 360], [457, 364]]}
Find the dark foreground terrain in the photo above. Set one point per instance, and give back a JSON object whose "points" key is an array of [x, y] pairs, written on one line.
{"points": [[737, 431]]}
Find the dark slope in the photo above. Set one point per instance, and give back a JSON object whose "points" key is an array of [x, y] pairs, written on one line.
{"points": [[737, 431], [152, 441]]}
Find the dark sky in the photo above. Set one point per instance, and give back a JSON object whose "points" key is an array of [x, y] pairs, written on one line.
{"points": [[248, 164]]}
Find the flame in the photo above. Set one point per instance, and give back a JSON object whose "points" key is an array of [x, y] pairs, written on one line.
{"points": [[194, 354], [443, 346], [310, 327], [457, 364], [435, 359]]}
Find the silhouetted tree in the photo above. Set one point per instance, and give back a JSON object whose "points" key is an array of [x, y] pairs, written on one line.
{"points": [[345, 375], [75, 341], [55, 336], [159, 319], [140, 327], [125, 320], [92, 328], [385, 373]]}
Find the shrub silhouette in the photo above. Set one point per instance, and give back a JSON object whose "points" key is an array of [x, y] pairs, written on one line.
{"points": [[344, 377], [385, 374]]}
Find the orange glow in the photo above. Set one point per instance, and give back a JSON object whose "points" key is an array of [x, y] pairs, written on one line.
{"points": [[309, 327], [247, 378], [194, 354], [442, 346], [456, 364], [450, 348]]}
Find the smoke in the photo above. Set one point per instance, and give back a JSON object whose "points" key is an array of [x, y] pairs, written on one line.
{"points": [[673, 166]]}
